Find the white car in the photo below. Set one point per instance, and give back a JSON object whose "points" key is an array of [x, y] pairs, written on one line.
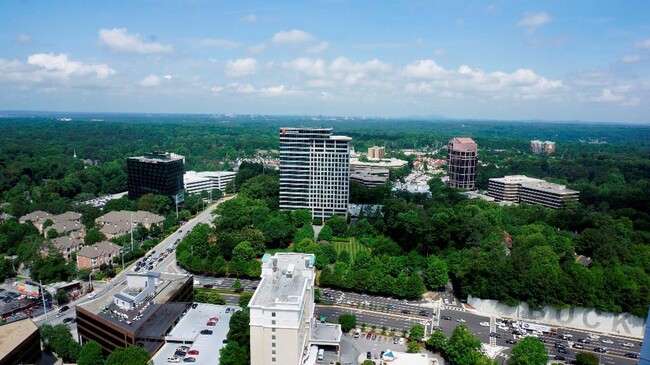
{"points": [[485, 324], [461, 320], [91, 295], [593, 336], [627, 344], [609, 342], [174, 359]]}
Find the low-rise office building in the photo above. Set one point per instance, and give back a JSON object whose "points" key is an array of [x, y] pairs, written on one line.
{"points": [[520, 188], [20, 343], [282, 323], [141, 311], [370, 177], [196, 182]]}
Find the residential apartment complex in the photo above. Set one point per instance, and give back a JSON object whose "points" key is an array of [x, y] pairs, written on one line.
{"points": [[139, 313], [282, 323], [93, 256], [196, 182], [376, 153], [537, 146], [314, 171], [462, 158], [520, 188], [119, 223], [155, 173]]}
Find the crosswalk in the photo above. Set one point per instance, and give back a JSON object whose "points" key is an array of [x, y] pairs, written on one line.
{"points": [[454, 308]]}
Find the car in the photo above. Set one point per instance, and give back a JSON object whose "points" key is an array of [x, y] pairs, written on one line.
{"points": [[183, 348], [374, 336], [174, 359], [91, 295], [584, 340], [406, 311], [485, 324], [594, 336], [357, 334], [627, 344], [559, 357], [179, 353], [206, 332], [193, 352], [446, 318], [609, 342], [495, 335], [195, 305], [213, 319], [390, 307], [424, 313], [460, 320], [2, 289], [189, 359], [437, 328], [368, 355], [632, 355], [211, 324], [602, 350], [63, 309], [136, 269], [73, 320], [67, 320], [225, 340], [395, 340], [559, 344], [578, 346], [368, 336], [562, 350], [511, 341], [227, 310]]}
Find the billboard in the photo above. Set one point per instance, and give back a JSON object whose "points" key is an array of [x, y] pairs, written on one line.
{"points": [[29, 290]]}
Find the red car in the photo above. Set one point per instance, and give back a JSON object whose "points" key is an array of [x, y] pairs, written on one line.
{"points": [[214, 319], [212, 323], [368, 336], [193, 352]]}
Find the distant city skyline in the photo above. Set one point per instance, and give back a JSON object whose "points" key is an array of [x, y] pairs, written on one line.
{"points": [[525, 60]]}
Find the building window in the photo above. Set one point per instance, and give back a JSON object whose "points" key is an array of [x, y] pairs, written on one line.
{"points": [[273, 322], [273, 337], [272, 344], [272, 329], [272, 314], [273, 359]]}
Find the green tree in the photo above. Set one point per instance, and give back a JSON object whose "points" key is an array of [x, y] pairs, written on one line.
{"points": [[325, 234], [338, 224], [436, 274], [58, 339], [347, 322], [237, 287], [301, 217], [245, 298], [585, 358], [239, 328], [62, 296], [413, 347], [437, 342], [530, 351], [463, 348], [52, 233], [416, 333], [233, 354], [93, 236], [132, 355], [90, 354]]}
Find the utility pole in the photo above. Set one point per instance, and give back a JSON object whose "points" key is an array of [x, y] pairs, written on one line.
{"points": [[131, 231], [176, 201], [43, 298]]}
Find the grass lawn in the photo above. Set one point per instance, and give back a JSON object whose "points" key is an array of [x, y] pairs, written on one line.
{"points": [[352, 246]]}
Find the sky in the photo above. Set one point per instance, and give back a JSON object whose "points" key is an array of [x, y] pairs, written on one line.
{"points": [[505, 60]]}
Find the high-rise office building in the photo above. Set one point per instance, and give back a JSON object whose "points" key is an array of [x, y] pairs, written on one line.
{"points": [[462, 158], [283, 330], [156, 173], [314, 171], [537, 146]]}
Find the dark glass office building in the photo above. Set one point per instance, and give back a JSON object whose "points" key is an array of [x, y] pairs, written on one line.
{"points": [[155, 173]]}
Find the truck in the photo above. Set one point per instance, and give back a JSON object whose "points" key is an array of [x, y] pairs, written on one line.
{"points": [[538, 327]]}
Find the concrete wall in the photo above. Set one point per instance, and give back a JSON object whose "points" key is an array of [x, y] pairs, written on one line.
{"points": [[587, 319]]}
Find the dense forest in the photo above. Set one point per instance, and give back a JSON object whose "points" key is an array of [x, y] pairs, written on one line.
{"points": [[414, 242]]}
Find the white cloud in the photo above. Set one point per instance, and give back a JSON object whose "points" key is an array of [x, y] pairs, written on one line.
{"points": [[342, 64], [151, 80], [216, 89], [608, 96], [425, 69], [258, 48], [270, 91], [534, 20], [216, 43], [312, 67], [320, 47], [167, 77], [439, 52], [292, 36], [250, 18], [120, 40], [24, 38], [241, 67], [644, 44], [60, 66], [631, 59]]}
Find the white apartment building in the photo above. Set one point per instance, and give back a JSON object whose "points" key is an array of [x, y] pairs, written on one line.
{"points": [[282, 323], [314, 171], [196, 182]]}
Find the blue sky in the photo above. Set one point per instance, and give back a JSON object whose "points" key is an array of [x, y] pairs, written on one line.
{"points": [[554, 60]]}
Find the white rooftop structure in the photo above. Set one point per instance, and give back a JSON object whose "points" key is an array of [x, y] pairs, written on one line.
{"points": [[403, 358]]}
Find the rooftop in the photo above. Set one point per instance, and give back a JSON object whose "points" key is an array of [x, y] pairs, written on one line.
{"points": [[158, 157], [403, 358], [14, 333], [98, 249], [383, 163], [516, 179], [139, 216], [549, 188], [285, 278]]}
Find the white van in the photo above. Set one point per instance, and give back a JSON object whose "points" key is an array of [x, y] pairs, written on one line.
{"points": [[321, 354]]}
